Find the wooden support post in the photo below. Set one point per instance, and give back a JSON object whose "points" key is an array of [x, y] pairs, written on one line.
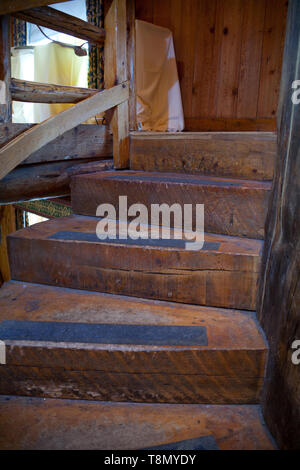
{"points": [[279, 293], [7, 213], [131, 62], [5, 98], [115, 71]]}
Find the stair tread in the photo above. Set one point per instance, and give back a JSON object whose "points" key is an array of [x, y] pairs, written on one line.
{"points": [[177, 178], [35, 423], [59, 229], [225, 328], [66, 252]]}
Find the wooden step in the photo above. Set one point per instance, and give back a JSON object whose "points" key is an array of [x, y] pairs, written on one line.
{"points": [[248, 155], [231, 207], [63, 343], [67, 252], [38, 424]]}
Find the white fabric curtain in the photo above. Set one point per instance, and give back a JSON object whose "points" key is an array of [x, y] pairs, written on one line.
{"points": [[159, 105], [48, 63]]}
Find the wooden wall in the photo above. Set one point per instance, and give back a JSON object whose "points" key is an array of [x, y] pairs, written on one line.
{"points": [[229, 55]]}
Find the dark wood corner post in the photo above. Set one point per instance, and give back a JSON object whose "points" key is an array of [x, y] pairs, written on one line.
{"points": [[7, 214], [5, 98], [119, 44], [279, 294]]}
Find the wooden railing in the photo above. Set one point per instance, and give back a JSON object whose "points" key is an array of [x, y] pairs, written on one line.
{"points": [[89, 102]]}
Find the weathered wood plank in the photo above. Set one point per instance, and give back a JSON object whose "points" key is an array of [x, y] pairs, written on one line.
{"points": [[230, 124], [59, 21], [116, 72], [84, 141], [231, 206], [118, 339], [5, 98], [135, 387], [83, 425], [238, 155], [224, 273], [36, 92], [10, 6], [36, 137], [46, 180], [279, 293]]}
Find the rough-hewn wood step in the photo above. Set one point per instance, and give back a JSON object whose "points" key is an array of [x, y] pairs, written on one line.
{"points": [[67, 252], [231, 206], [63, 343], [232, 154], [34, 423]]}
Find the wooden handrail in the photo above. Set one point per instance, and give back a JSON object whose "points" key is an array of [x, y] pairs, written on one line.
{"points": [[35, 92], [11, 6], [17, 150], [59, 21]]}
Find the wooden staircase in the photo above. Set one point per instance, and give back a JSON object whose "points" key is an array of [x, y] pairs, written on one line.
{"points": [[143, 341], [133, 344]]}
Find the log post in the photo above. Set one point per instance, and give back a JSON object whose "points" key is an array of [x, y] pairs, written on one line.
{"points": [[5, 97], [279, 293], [115, 72]]}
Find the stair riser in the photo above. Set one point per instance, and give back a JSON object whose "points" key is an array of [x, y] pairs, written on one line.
{"points": [[219, 154], [148, 388], [84, 425], [235, 211], [131, 359], [197, 277]]}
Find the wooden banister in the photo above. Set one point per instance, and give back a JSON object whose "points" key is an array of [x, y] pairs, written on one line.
{"points": [[11, 6], [20, 148], [35, 92], [59, 21]]}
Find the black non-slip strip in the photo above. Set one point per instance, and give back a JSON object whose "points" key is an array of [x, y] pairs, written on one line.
{"points": [[92, 237], [200, 443], [103, 333]]}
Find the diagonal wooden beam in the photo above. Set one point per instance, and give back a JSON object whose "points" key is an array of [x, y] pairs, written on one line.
{"points": [[36, 92], [11, 6], [59, 21], [34, 138]]}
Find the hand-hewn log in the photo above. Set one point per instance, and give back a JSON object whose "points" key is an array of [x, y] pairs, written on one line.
{"points": [[11, 6], [84, 141], [35, 92], [5, 99], [59, 21], [46, 180], [36, 137], [279, 294], [115, 71]]}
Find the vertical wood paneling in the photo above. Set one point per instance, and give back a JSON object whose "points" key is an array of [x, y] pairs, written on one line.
{"points": [[251, 50], [144, 10], [229, 66], [187, 52], [229, 55], [206, 59], [273, 42]]}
